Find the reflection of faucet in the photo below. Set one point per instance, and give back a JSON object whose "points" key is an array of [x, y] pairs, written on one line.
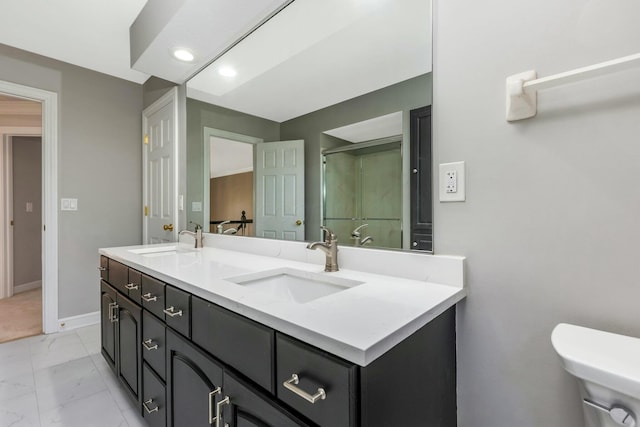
{"points": [[221, 229], [330, 249], [197, 235], [355, 234]]}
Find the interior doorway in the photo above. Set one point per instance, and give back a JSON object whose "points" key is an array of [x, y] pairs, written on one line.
{"points": [[15, 124], [21, 166]]}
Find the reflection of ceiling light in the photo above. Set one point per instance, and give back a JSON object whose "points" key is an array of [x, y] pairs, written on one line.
{"points": [[183, 55], [227, 72]]}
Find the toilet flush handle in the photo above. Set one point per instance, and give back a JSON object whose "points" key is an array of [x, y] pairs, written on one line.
{"points": [[619, 414]]}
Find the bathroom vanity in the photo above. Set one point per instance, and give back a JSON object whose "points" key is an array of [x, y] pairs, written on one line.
{"points": [[221, 336]]}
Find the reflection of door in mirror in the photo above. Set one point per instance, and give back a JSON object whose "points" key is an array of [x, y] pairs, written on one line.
{"points": [[363, 193], [280, 190]]}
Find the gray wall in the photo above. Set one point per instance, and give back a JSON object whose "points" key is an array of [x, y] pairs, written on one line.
{"points": [[99, 163], [404, 96], [549, 233], [201, 115], [27, 226]]}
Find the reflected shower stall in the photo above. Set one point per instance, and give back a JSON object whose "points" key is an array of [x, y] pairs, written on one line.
{"points": [[363, 188]]}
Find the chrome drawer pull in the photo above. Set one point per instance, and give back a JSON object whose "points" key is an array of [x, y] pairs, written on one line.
{"points": [[148, 298], [171, 312], [148, 346], [102, 268], [219, 405], [146, 408], [291, 385], [212, 399], [131, 286]]}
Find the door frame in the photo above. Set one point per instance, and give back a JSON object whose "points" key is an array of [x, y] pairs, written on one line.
{"points": [[206, 150], [167, 99], [49, 131]]}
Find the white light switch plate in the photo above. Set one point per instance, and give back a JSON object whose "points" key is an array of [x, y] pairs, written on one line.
{"points": [[68, 204], [451, 183], [196, 206]]}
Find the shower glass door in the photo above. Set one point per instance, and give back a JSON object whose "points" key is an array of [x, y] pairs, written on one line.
{"points": [[364, 186]]}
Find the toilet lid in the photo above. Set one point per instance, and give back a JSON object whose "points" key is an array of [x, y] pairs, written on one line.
{"points": [[608, 359]]}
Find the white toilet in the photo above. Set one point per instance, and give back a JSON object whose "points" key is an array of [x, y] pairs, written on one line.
{"points": [[608, 370]]}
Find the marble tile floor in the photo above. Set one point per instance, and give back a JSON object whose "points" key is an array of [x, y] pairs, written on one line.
{"points": [[61, 380]]}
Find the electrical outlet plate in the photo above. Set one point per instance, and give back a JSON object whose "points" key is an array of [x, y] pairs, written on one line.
{"points": [[451, 182]]}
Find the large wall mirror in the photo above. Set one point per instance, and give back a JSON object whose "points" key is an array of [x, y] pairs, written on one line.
{"points": [[321, 116]]}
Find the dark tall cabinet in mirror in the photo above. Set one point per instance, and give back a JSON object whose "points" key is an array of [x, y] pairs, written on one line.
{"points": [[421, 171]]}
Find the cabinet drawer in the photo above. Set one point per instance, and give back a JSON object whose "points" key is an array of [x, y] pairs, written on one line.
{"points": [[153, 295], [177, 312], [118, 276], [239, 342], [134, 285], [154, 398], [154, 343], [316, 369]]}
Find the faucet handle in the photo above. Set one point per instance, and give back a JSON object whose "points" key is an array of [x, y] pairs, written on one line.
{"points": [[198, 226], [328, 234], [356, 232]]}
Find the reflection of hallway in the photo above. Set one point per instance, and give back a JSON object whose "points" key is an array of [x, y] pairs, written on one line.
{"points": [[21, 315]]}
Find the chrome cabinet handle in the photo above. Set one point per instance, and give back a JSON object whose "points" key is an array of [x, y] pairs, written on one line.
{"points": [[148, 298], [131, 286], [219, 405], [148, 346], [146, 408], [212, 399], [102, 268], [291, 385], [171, 312], [113, 312]]}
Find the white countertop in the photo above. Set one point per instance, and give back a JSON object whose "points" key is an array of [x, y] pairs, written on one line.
{"points": [[358, 324]]}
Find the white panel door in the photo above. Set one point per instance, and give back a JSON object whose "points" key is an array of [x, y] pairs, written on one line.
{"points": [[280, 190], [160, 175]]}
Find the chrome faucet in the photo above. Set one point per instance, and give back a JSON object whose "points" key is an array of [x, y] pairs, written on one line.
{"points": [[221, 229], [355, 234], [197, 235], [330, 249]]}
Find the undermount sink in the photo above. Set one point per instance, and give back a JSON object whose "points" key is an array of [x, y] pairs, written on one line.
{"points": [[292, 285], [160, 250]]}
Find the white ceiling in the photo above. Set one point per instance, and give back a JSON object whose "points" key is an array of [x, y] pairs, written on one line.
{"points": [[229, 157], [92, 34], [367, 130]]}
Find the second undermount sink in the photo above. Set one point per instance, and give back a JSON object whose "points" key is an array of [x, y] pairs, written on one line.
{"points": [[293, 285]]}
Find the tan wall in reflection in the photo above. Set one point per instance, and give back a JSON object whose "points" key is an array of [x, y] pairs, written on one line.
{"points": [[230, 195]]}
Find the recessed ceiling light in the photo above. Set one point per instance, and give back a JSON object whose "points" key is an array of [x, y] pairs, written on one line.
{"points": [[227, 72], [183, 54]]}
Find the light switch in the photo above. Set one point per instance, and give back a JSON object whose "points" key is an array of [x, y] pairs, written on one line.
{"points": [[451, 182], [196, 206], [68, 204], [29, 207]]}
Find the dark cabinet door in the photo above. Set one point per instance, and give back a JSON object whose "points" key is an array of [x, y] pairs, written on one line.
{"points": [[154, 398], [421, 180], [193, 383], [248, 407], [108, 323], [129, 342]]}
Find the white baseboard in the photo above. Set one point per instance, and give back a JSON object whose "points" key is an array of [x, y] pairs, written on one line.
{"points": [[74, 322], [27, 286]]}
